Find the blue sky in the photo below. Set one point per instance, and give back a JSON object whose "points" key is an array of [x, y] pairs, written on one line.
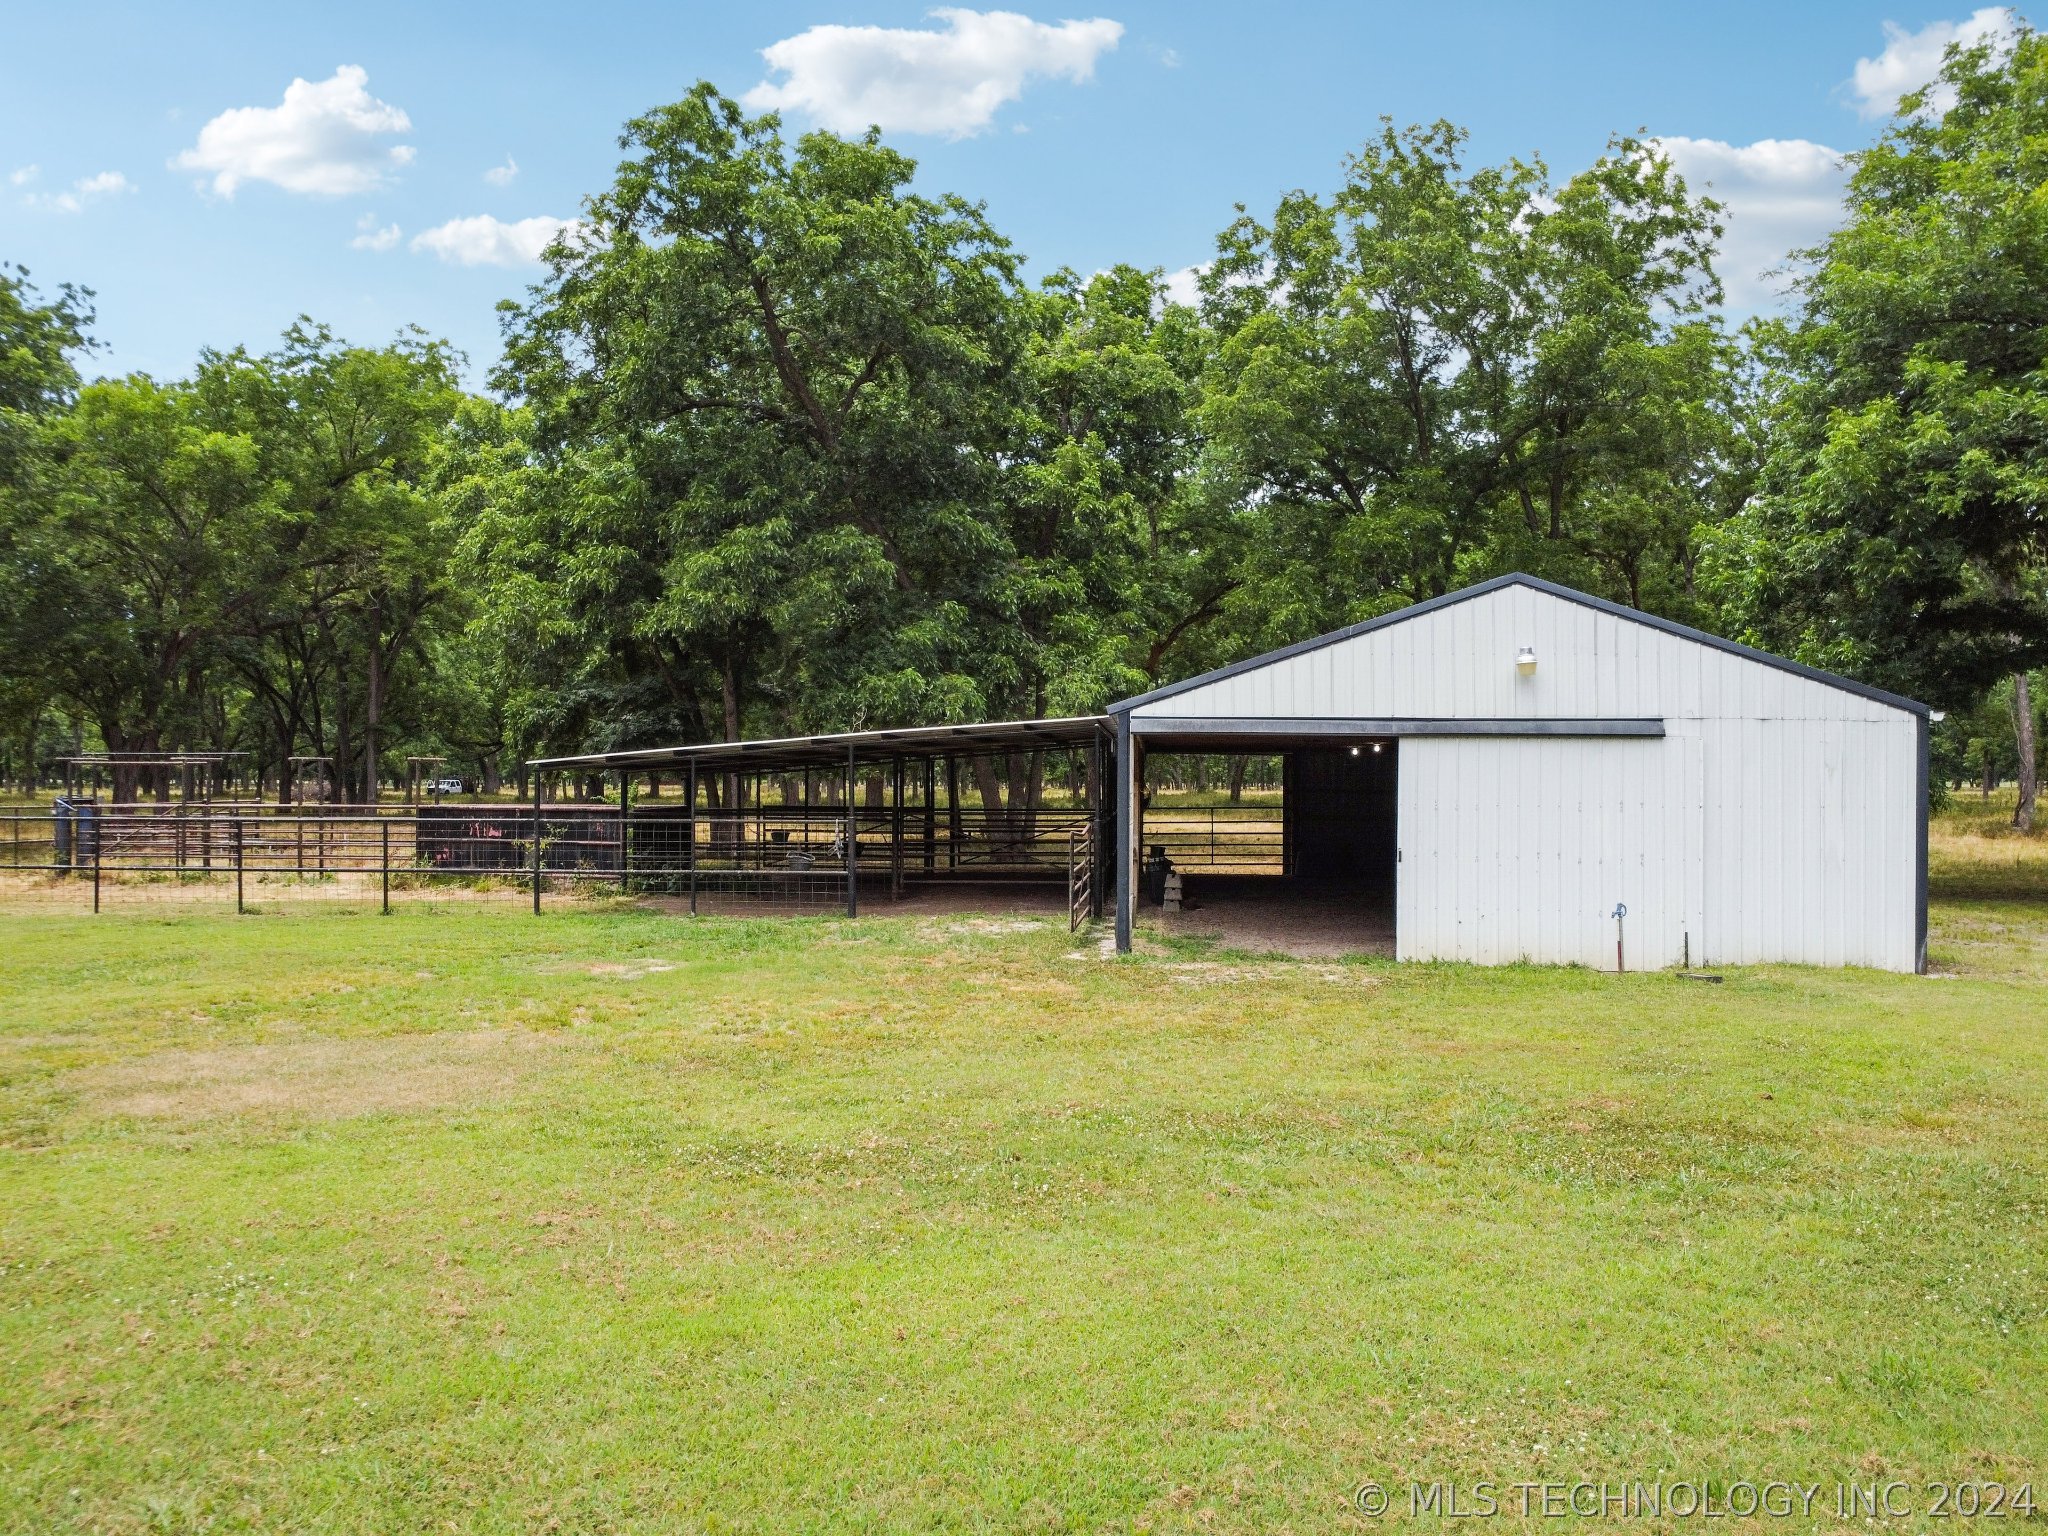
{"points": [[163, 156]]}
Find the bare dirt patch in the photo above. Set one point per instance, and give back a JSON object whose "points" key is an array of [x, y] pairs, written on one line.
{"points": [[985, 925], [319, 1079], [629, 970], [1212, 973]]}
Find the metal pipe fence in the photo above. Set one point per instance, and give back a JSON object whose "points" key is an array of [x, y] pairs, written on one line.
{"points": [[1237, 840], [85, 853]]}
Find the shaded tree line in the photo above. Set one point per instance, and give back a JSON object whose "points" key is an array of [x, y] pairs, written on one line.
{"points": [[780, 444]]}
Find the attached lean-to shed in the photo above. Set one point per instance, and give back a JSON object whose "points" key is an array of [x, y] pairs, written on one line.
{"points": [[1529, 761]]}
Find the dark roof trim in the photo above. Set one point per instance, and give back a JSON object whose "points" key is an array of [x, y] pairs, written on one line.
{"points": [[1155, 725], [993, 735], [1570, 595]]}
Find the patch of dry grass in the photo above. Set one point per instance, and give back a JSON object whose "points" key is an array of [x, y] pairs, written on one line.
{"points": [[318, 1078]]}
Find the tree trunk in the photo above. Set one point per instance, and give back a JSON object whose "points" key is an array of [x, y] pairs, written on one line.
{"points": [[2030, 768], [990, 783], [373, 708], [729, 700]]}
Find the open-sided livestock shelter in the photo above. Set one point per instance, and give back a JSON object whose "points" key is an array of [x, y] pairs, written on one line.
{"points": [[1515, 771]]}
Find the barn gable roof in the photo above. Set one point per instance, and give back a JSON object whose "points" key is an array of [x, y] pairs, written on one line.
{"points": [[1536, 583]]}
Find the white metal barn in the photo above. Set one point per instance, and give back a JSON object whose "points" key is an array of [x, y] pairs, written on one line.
{"points": [[1538, 758]]}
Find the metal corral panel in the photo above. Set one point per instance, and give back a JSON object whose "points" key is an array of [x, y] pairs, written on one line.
{"points": [[1520, 848]]}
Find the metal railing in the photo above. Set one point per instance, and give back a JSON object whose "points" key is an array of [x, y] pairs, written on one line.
{"points": [[119, 854], [784, 855], [1220, 839], [1080, 877]]}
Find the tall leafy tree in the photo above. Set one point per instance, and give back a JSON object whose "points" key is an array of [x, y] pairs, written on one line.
{"points": [[1901, 529], [257, 525], [1440, 370], [41, 340], [799, 366]]}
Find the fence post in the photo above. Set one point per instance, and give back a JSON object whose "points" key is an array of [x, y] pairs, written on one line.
{"points": [[852, 838], [538, 779], [98, 841], [384, 828], [240, 833], [625, 832], [693, 837]]}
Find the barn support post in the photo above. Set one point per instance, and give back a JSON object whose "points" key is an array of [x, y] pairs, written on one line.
{"points": [[931, 815], [693, 837], [625, 830], [538, 780], [852, 842], [896, 831], [952, 811], [1097, 824], [1126, 855]]}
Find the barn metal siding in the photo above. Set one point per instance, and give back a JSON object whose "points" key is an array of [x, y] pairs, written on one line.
{"points": [[1457, 662], [1805, 799], [1520, 849]]}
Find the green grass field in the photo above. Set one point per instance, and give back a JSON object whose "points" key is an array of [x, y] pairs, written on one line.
{"points": [[611, 1221]]}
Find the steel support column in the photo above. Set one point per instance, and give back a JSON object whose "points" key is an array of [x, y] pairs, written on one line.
{"points": [[1126, 853], [852, 841]]}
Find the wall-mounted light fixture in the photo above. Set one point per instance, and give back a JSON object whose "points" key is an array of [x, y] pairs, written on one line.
{"points": [[1525, 661], [1375, 746], [1354, 751]]}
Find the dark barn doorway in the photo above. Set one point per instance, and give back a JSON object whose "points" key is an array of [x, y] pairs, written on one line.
{"points": [[1341, 815], [1305, 866]]}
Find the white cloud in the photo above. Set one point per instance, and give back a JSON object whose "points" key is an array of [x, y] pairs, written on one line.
{"points": [[484, 241], [1781, 194], [324, 138], [1912, 59], [503, 175], [84, 191], [1183, 286], [24, 176], [371, 236], [950, 82]]}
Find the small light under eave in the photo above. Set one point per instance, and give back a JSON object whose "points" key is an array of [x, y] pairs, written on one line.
{"points": [[1525, 661], [1354, 751], [1375, 746]]}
